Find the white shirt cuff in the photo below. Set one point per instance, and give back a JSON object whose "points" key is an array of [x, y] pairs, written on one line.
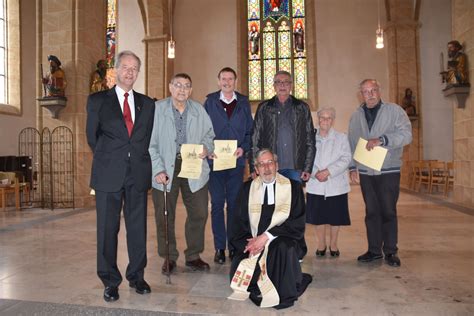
{"points": [[270, 236]]}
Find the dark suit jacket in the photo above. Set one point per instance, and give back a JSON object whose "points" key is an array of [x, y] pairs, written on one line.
{"points": [[108, 138]]}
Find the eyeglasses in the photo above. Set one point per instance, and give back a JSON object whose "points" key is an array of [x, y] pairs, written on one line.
{"points": [[178, 86], [370, 92], [284, 83], [268, 163], [325, 118]]}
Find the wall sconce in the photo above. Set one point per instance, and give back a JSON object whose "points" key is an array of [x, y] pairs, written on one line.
{"points": [[379, 38], [171, 49], [171, 42], [379, 32]]}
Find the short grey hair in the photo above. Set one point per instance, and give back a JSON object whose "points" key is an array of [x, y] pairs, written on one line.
{"points": [[263, 151], [125, 53], [282, 72], [363, 82], [329, 110]]}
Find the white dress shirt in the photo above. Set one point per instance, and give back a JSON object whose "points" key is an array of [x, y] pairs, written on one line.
{"points": [[131, 101]]}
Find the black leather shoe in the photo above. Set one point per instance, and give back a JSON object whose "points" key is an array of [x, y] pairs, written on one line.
{"points": [[198, 265], [140, 286], [321, 253], [111, 294], [171, 266], [392, 260], [336, 253], [369, 256], [231, 254], [219, 257]]}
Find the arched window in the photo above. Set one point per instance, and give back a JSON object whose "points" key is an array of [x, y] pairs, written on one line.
{"points": [[3, 53], [276, 41], [10, 87]]}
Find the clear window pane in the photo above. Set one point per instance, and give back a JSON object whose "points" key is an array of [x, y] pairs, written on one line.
{"points": [[2, 33], [3, 98]]}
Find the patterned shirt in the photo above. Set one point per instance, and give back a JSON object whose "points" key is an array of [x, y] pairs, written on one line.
{"points": [[180, 123]]}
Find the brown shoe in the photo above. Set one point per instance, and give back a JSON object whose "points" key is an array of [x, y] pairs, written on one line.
{"points": [[171, 266], [198, 265]]}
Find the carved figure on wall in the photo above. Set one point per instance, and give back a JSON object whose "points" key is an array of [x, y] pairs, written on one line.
{"points": [[457, 72], [298, 34], [55, 80], [408, 102], [99, 77], [254, 38]]}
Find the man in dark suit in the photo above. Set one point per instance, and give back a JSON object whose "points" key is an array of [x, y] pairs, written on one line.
{"points": [[119, 125]]}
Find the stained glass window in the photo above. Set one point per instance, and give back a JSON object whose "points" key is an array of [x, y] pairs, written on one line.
{"points": [[111, 40], [276, 41]]}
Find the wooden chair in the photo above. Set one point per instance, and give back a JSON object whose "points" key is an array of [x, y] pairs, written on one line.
{"points": [[449, 177], [412, 174], [12, 186], [423, 174], [438, 173]]}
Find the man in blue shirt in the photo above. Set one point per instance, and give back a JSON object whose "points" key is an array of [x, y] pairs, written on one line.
{"points": [[231, 118]]}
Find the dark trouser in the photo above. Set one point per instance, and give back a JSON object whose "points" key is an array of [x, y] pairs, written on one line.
{"points": [[295, 175], [224, 187], [380, 196], [109, 205], [196, 209]]}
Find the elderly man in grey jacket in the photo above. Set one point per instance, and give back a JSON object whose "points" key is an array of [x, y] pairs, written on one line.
{"points": [[387, 125], [180, 120]]}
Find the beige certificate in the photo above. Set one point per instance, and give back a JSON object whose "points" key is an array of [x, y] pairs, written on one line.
{"points": [[224, 151], [372, 159], [191, 165]]}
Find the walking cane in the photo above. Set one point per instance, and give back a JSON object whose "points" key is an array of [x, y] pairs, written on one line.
{"points": [[167, 242]]}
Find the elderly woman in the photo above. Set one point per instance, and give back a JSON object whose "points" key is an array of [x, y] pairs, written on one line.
{"points": [[327, 205]]}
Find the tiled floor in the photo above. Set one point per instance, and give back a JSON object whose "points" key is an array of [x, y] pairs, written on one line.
{"points": [[50, 257]]}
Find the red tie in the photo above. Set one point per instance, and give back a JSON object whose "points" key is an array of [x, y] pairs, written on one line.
{"points": [[127, 115]]}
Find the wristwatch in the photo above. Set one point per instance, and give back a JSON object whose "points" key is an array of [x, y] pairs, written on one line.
{"points": [[382, 140]]}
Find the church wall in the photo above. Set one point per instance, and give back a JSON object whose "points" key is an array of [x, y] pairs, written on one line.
{"points": [[11, 125], [434, 108], [130, 35], [463, 31], [206, 41], [346, 54]]}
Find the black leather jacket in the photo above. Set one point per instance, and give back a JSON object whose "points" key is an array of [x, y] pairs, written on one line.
{"points": [[265, 132]]}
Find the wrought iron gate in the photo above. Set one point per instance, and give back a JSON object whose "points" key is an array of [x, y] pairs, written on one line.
{"points": [[53, 165]]}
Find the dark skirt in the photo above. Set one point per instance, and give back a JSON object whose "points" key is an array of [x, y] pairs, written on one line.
{"points": [[333, 210]]}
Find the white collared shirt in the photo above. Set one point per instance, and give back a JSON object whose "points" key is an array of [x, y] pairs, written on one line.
{"points": [[222, 98], [269, 187], [131, 101]]}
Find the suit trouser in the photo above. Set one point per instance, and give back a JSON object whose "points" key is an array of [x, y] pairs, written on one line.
{"points": [[224, 187], [380, 196], [196, 209], [109, 205]]}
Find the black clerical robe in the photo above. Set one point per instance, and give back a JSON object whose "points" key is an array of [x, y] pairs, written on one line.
{"points": [[283, 266]]}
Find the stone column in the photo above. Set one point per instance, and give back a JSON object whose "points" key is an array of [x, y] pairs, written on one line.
{"points": [[74, 31], [401, 40], [463, 31]]}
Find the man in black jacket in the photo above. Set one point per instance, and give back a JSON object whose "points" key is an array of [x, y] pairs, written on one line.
{"points": [[119, 125], [284, 125]]}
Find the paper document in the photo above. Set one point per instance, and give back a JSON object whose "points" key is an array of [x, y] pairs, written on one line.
{"points": [[191, 165], [224, 151], [372, 159]]}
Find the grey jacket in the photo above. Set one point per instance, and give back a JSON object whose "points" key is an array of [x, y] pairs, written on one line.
{"points": [[334, 153], [393, 124], [163, 140]]}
